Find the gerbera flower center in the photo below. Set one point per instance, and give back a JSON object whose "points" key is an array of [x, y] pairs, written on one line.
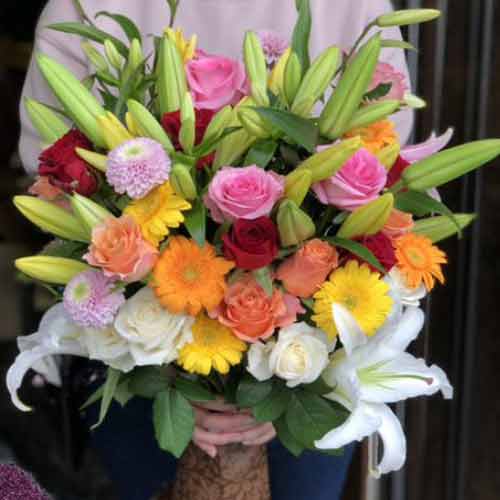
{"points": [[350, 302], [191, 274], [417, 257]]}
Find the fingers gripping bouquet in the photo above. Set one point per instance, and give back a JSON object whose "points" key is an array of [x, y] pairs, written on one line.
{"points": [[217, 238]]}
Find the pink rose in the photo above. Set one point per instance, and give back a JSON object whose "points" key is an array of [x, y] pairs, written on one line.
{"points": [[385, 73], [243, 193], [216, 81], [358, 182]]}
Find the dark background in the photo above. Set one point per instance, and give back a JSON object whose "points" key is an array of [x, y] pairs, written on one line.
{"points": [[453, 447]]}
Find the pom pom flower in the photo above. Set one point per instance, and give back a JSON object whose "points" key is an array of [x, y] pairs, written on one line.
{"points": [[137, 166]]}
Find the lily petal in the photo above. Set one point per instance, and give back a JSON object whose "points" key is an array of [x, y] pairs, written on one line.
{"points": [[350, 333], [425, 149]]}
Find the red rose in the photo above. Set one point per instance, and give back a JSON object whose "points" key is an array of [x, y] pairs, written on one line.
{"points": [[171, 123], [380, 246], [396, 171], [64, 168], [252, 244]]}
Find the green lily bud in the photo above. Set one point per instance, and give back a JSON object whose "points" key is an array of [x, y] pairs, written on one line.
{"points": [[297, 185], [447, 165], [171, 85], [328, 162], [413, 101], [317, 79], [255, 63], [406, 17], [56, 270], [148, 125], [388, 155], [217, 124], [349, 93], [80, 105], [253, 123], [113, 130], [441, 227], [368, 219], [182, 182], [97, 160], [112, 54], [46, 122], [89, 212], [294, 225], [51, 218], [187, 132], [94, 56], [135, 59], [277, 76], [373, 113], [292, 77]]}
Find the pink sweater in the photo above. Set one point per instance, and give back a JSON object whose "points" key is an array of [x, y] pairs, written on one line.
{"points": [[220, 25]]}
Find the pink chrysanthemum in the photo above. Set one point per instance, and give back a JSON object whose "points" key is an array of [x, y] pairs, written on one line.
{"points": [[15, 484], [137, 166], [273, 44], [90, 299]]}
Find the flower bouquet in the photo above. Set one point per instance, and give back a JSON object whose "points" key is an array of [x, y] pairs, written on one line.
{"points": [[219, 237]]}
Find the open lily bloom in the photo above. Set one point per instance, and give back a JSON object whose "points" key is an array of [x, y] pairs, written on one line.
{"points": [[368, 373], [427, 148]]}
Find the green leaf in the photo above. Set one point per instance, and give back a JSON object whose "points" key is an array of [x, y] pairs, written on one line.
{"points": [[250, 391], [286, 438], [148, 381], [264, 279], [319, 387], [196, 222], [397, 44], [127, 25], [122, 394], [192, 390], [127, 90], [90, 32], [274, 405], [109, 388], [93, 398], [378, 92], [302, 34], [310, 417], [302, 131], [210, 145], [65, 249], [420, 204], [173, 419], [261, 153], [357, 249]]}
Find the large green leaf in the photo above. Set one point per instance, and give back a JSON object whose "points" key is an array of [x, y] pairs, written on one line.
{"points": [[148, 381], [250, 391], [261, 153], [274, 405], [173, 420], [192, 390], [127, 25], [302, 131], [357, 249], [286, 438], [302, 34], [196, 222], [109, 388]]}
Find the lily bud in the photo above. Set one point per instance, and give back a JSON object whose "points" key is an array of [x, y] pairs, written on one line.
{"points": [[135, 59], [297, 185], [317, 79], [373, 113], [80, 105], [112, 54], [171, 85], [97, 160], [387, 156], [48, 125], [255, 63], [406, 17], [148, 126], [95, 57], [182, 182], [253, 123], [217, 124], [292, 77], [328, 162], [368, 219], [187, 132], [51, 218], [56, 270], [277, 77], [294, 225], [89, 212], [441, 227], [113, 130], [131, 124]]}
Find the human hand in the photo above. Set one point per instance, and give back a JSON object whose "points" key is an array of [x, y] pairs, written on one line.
{"points": [[218, 424]]}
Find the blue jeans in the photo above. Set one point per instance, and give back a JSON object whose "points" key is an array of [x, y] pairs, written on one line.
{"points": [[138, 468]]}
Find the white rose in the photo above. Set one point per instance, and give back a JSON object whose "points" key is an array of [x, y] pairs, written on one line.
{"points": [[258, 360], [408, 296], [154, 335]]}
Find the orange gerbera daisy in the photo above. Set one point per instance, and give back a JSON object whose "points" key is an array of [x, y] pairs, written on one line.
{"points": [[376, 136], [188, 278], [419, 260]]}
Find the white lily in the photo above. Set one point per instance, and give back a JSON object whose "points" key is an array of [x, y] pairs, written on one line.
{"points": [[368, 373]]}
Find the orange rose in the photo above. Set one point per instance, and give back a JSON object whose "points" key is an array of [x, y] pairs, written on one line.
{"points": [[303, 273], [120, 250], [398, 224], [253, 315], [47, 192]]}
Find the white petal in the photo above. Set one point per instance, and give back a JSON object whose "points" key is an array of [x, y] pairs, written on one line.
{"points": [[47, 366], [398, 336], [350, 333], [258, 360], [393, 439]]}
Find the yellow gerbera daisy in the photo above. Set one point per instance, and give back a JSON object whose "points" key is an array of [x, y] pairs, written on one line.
{"points": [[376, 136], [359, 290], [158, 211], [214, 346], [187, 48], [419, 260], [188, 278]]}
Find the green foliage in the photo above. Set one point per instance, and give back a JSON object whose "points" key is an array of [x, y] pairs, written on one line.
{"points": [[108, 391], [127, 25], [250, 391], [274, 405], [302, 34], [193, 390], [357, 249], [148, 381], [196, 222], [261, 153]]}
